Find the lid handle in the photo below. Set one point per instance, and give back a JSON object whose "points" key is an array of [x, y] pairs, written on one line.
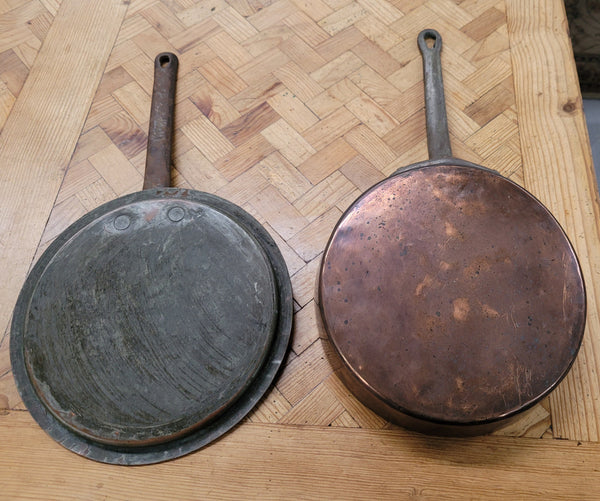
{"points": [[160, 131]]}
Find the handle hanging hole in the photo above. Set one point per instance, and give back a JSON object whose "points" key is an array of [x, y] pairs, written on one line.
{"points": [[164, 60], [429, 41]]}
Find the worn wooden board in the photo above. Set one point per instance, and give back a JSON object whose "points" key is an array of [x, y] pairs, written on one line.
{"points": [[561, 175], [291, 109], [260, 461], [43, 127]]}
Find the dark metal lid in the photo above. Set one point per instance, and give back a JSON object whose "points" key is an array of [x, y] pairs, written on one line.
{"points": [[452, 295], [151, 326]]}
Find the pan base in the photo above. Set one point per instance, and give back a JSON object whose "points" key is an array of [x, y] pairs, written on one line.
{"points": [[451, 296]]}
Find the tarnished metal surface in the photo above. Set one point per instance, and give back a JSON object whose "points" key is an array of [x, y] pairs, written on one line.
{"points": [[152, 325], [166, 310], [451, 295], [160, 133]]}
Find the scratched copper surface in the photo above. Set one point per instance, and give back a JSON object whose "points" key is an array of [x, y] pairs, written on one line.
{"points": [[452, 295]]}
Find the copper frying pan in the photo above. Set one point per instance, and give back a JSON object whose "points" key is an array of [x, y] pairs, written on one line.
{"points": [[153, 324], [451, 295]]}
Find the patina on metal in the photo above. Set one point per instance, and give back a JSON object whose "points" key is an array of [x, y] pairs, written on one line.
{"points": [[155, 323], [451, 295]]}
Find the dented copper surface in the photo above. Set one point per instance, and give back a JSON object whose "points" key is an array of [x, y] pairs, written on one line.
{"points": [[452, 294]]}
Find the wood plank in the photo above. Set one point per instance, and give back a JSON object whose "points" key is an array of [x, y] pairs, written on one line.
{"points": [[336, 70], [374, 85], [325, 195], [370, 146], [223, 77], [311, 241], [327, 160], [320, 407], [288, 142], [293, 110], [62, 215], [378, 32], [40, 134], [334, 98], [283, 174], [250, 124], [297, 81], [261, 461], [270, 409], [305, 331], [487, 106], [308, 31], [213, 105], [116, 170], [331, 128], [483, 25], [282, 216], [305, 372], [561, 175], [229, 50], [244, 156], [372, 115], [362, 416], [207, 138], [304, 280], [343, 18]]}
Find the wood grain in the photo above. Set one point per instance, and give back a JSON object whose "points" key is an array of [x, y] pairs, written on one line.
{"points": [[560, 174], [261, 461], [291, 109], [42, 130]]}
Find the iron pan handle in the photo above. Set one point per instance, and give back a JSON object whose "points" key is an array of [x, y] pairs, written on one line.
{"points": [[438, 139], [160, 132]]}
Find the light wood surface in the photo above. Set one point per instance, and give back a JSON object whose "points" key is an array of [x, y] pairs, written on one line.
{"points": [[291, 109], [259, 461], [561, 174]]}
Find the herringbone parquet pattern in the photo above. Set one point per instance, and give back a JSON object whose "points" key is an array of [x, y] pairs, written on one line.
{"points": [[290, 109]]}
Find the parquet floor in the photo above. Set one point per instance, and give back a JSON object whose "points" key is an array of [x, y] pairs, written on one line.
{"points": [[290, 109]]}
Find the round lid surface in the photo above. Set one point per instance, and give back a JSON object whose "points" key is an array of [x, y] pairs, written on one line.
{"points": [[452, 295], [148, 319]]}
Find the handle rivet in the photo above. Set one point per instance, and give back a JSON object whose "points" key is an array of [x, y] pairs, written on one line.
{"points": [[122, 222], [176, 214]]}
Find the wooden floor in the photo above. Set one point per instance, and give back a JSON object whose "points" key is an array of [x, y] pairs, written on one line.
{"points": [[290, 109]]}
